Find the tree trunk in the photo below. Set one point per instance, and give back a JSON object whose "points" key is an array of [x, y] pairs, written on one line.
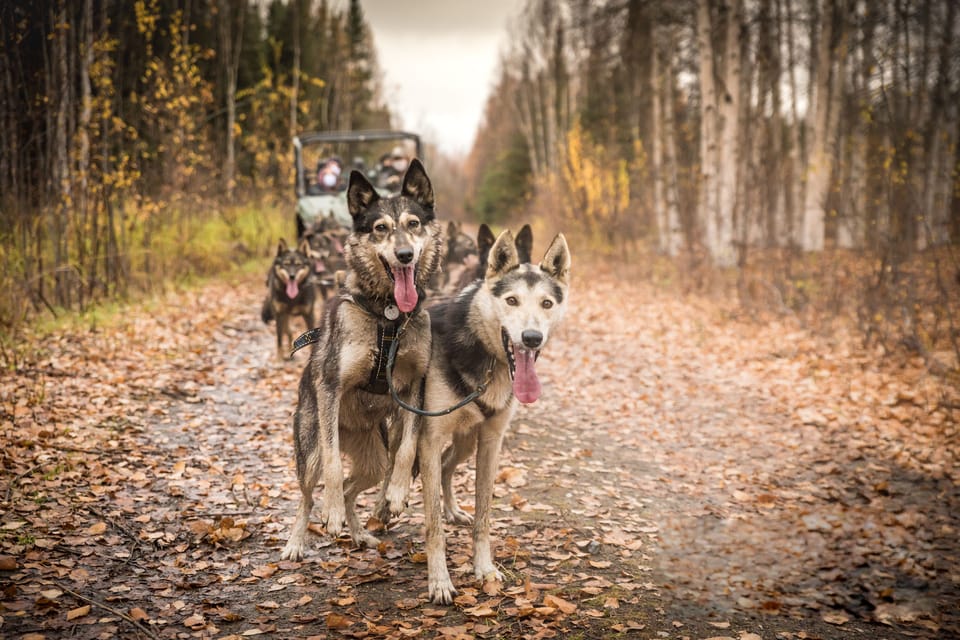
{"points": [[719, 130], [62, 188], [669, 165], [295, 72], [794, 189], [851, 232], [826, 89], [87, 227], [708, 128], [231, 40], [933, 220]]}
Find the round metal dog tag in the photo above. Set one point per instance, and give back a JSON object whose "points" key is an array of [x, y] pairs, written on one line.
{"points": [[392, 312]]}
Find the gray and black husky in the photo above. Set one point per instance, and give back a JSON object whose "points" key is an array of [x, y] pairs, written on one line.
{"points": [[290, 292], [492, 332], [343, 405]]}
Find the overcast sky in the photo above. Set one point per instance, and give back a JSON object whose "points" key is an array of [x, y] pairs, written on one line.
{"points": [[439, 58]]}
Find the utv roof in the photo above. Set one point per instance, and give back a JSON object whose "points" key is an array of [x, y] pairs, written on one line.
{"points": [[372, 135]]}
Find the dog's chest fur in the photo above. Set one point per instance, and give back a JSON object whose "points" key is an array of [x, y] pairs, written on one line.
{"points": [[463, 354], [348, 351]]}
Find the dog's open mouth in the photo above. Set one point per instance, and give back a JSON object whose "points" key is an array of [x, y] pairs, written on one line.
{"points": [[292, 286], [523, 371], [404, 285]]}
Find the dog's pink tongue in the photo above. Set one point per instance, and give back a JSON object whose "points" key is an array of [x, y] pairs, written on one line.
{"points": [[292, 288], [318, 266], [526, 385], [404, 290]]}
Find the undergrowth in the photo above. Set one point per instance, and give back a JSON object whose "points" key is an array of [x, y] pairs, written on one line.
{"points": [[186, 247]]}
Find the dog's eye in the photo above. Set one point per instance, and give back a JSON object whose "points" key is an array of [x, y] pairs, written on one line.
{"points": [[413, 224], [546, 304], [381, 228], [512, 301]]}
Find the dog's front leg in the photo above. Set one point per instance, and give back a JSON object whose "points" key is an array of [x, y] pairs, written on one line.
{"points": [[438, 577], [488, 454], [333, 513], [281, 320], [464, 444], [401, 473]]}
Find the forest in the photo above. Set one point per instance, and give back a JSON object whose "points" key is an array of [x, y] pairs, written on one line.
{"points": [[749, 421], [129, 127], [763, 137]]}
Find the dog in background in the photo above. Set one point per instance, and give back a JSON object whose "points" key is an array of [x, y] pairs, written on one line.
{"points": [[491, 333], [485, 239], [326, 251], [290, 293], [392, 252]]}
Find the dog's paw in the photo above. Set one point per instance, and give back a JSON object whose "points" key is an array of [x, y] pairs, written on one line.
{"points": [[334, 518], [396, 498], [442, 591], [488, 573], [381, 511], [362, 539], [454, 514], [293, 550]]}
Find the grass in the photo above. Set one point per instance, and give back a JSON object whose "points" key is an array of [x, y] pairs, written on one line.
{"points": [[185, 250]]}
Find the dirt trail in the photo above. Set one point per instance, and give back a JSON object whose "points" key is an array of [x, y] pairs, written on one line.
{"points": [[676, 480]]}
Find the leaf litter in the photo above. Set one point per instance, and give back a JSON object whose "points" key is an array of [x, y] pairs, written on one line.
{"points": [[686, 472]]}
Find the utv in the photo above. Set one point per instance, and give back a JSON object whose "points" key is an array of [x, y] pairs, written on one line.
{"points": [[325, 159]]}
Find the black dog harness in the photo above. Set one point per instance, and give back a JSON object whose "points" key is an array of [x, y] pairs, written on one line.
{"points": [[389, 321]]}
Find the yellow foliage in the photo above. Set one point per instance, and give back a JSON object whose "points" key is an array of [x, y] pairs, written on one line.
{"points": [[595, 185]]}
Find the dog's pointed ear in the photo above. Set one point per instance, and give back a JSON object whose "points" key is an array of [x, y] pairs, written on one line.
{"points": [[360, 194], [281, 246], [524, 244], [416, 185], [304, 247], [452, 229], [503, 256], [556, 261], [485, 240]]}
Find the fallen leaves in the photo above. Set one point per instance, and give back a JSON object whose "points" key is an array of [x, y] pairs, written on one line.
{"points": [[79, 612], [676, 457]]}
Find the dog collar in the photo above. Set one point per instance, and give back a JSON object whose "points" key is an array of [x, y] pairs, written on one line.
{"points": [[388, 309]]}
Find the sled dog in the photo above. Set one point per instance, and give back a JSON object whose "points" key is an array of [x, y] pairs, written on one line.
{"points": [[325, 250], [290, 292], [492, 332], [343, 406]]}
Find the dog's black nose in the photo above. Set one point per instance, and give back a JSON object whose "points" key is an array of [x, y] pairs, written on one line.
{"points": [[531, 338], [404, 255]]}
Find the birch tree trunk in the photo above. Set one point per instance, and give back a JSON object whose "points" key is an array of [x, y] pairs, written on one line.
{"points": [[656, 153], [719, 131], [731, 151], [826, 84], [708, 128], [797, 157], [669, 167]]}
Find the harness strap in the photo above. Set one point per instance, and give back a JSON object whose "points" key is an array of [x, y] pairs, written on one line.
{"points": [[386, 335], [309, 337]]}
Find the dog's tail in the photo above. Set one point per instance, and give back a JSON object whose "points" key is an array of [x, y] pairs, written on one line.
{"points": [[266, 311]]}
